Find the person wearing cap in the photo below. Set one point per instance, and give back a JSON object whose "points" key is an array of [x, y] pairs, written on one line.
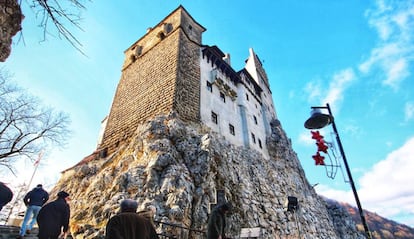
{"points": [[128, 224], [217, 222], [33, 200], [53, 218]]}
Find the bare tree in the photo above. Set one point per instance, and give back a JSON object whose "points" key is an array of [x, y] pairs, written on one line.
{"points": [[62, 14], [26, 127]]}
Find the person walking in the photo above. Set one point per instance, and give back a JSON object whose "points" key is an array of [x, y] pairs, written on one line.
{"points": [[217, 222], [53, 218], [33, 200], [6, 195], [128, 224]]}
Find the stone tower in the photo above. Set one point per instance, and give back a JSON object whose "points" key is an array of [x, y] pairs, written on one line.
{"points": [[160, 75]]}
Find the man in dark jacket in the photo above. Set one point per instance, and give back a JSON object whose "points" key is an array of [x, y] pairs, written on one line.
{"points": [[129, 225], [6, 195], [33, 200], [217, 222], [53, 218]]}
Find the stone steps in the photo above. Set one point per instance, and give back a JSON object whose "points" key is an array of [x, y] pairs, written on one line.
{"points": [[10, 232]]}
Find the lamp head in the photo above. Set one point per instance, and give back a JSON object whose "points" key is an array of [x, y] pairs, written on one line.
{"points": [[318, 120]]}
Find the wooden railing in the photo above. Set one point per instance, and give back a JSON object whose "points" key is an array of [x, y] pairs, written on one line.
{"points": [[175, 231]]}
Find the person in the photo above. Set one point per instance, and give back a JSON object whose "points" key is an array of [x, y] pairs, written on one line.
{"points": [[53, 218], [33, 200], [6, 195], [128, 224], [217, 222]]}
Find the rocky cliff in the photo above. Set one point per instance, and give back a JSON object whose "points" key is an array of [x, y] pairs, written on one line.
{"points": [[178, 168], [10, 21]]}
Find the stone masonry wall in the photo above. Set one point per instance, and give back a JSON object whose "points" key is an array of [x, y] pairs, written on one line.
{"points": [[162, 78], [187, 98], [146, 88]]}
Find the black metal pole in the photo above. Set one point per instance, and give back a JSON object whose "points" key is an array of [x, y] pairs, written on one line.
{"points": [[348, 171]]}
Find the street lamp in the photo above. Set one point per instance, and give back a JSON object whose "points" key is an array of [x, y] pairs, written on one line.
{"points": [[319, 120]]}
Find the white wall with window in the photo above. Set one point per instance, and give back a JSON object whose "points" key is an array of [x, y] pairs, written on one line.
{"points": [[214, 100], [239, 119]]}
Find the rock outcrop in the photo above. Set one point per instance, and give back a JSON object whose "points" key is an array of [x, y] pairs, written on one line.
{"points": [[10, 21], [178, 167]]}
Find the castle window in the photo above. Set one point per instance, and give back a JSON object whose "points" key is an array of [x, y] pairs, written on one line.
{"points": [[133, 58], [161, 35], [255, 119], [137, 50], [231, 128], [253, 138], [168, 27], [222, 96], [214, 117], [260, 143], [247, 97], [209, 86]]}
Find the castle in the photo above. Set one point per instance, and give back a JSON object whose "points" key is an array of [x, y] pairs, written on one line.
{"points": [[169, 70], [185, 132]]}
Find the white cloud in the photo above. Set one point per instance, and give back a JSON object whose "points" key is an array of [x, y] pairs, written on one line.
{"points": [[391, 174], [383, 27], [395, 49], [385, 189], [313, 90], [396, 71], [338, 85], [306, 138], [409, 111], [338, 195]]}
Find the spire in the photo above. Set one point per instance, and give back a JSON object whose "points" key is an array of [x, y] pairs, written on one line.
{"points": [[255, 68]]}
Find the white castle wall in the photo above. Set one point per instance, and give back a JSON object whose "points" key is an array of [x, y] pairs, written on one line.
{"points": [[244, 112]]}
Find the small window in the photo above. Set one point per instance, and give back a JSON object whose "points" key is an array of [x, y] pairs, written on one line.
{"points": [[209, 86], [253, 138], [231, 128], [214, 117], [168, 27], [161, 35], [247, 97], [223, 97], [260, 143], [255, 119]]}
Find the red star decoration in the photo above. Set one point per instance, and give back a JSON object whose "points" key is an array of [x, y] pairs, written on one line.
{"points": [[316, 135], [318, 159], [322, 147]]}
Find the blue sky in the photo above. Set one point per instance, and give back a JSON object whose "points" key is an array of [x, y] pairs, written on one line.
{"points": [[355, 55]]}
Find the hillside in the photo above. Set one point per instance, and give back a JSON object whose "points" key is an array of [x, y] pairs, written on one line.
{"points": [[380, 227]]}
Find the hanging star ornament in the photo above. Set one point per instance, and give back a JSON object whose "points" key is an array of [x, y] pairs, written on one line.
{"points": [[316, 135], [319, 159]]}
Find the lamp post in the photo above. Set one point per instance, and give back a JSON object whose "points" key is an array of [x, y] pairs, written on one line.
{"points": [[319, 120]]}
